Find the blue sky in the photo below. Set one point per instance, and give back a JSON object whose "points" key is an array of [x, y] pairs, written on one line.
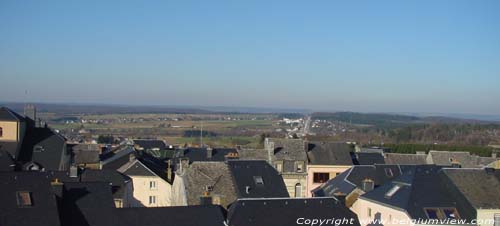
{"points": [[371, 56]]}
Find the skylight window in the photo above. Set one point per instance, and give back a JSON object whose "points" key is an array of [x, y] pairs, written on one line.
{"points": [[258, 180], [393, 191], [24, 199], [450, 213], [432, 213]]}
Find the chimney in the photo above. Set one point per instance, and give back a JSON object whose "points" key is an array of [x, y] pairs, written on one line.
{"points": [[169, 170], [73, 171], [368, 185], [494, 154], [131, 157], [209, 152]]}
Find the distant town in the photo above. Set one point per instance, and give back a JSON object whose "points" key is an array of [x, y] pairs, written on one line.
{"points": [[64, 166]]}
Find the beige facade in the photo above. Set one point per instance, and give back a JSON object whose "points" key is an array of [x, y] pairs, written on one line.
{"points": [[368, 212], [486, 217], [331, 170], [295, 184], [12, 131], [150, 191]]}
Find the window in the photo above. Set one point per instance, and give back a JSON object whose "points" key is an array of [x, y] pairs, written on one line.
{"points": [[298, 190], [432, 213], [152, 185], [388, 172], [497, 219], [300, 167], [152, 200], [1, 132], [321, 177], [450, 213], [258, 180], [369, 211], [24, 199], [393, 191], [279, 167]]}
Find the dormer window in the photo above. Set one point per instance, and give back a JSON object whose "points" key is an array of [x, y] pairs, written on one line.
{"points": [[258, 180], [38, 148], [300, 167], [24, 199]]}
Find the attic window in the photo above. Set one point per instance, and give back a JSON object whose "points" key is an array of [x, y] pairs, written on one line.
{"points": [[1, 132], [393, 191], [258, 180], [24, 199], [442, 213], [388, 172]]}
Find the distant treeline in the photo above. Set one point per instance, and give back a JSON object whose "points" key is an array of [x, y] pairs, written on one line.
{"points": [[379, 120], [197, 133], [290, 115], [413, 148]]}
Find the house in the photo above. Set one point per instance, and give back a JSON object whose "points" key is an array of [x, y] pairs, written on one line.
{"points": [[27, 199], [419, 196], [290, 211], [86, 155], [479, 191], [205, 154], [32, 146], [289, 158], [326, 161], [151, 188], [358, 180], [222, 183]]}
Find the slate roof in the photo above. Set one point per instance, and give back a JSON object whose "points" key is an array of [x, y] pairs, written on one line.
{"points": [[52, 143], [198, 175], [289, 151], [353, 178], [481, 187], [446, 158], [10, 147], [158, 166], [44, 210], [368, 158], [9, 115], [166, 216], [86, 156], [405, 159], [253, 154], [329, 153], [422, 187], [148, 144], [79, 198], [116, 159], [136, 168], [286, 211], [200, 154], [6, 161], [245, 174]]}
